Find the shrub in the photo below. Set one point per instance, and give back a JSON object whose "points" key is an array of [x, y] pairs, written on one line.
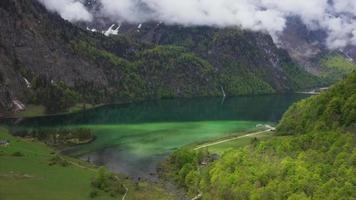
{"points": [[107, 182], [57, 160], [93, 194], [17, 154]]}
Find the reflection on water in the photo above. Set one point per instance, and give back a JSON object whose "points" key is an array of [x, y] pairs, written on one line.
{"points": [[132, 138], [256, 108]]}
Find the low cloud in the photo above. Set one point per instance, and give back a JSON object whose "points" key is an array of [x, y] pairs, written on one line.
{"points": [[336, 17], [70, 10]]}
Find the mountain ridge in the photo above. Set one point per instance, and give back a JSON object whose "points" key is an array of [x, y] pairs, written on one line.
{"points": [[49, 61]]}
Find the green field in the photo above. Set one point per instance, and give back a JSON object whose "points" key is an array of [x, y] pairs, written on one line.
{"points": [[32, 111], [40, 110], [27, 175]]}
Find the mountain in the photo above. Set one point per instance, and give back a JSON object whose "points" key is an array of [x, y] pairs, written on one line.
{"points": [[307, 48], [303, 45], [311, 156], [49, 61]]}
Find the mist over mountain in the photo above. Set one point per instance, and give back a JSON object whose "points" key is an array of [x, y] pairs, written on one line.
{"points": [[335, 17]]}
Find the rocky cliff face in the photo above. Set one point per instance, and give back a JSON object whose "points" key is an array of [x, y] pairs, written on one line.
{"points": [[307, 47], [46, 60], [35, 43]]}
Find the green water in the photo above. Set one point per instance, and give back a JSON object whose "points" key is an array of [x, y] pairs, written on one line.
{"points": [[133, 138]]}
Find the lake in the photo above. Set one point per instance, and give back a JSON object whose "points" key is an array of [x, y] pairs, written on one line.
{"points": [[133, 138]]}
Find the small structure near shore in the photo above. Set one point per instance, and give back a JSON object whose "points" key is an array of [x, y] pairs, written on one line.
{"points": [[209, 159], [315, 91], [4, 143]]}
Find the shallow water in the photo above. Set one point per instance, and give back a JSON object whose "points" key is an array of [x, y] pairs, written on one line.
{"points": [[133, 138]]}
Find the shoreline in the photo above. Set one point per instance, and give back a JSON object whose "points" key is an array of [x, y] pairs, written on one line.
{"points": [[6, 116]]}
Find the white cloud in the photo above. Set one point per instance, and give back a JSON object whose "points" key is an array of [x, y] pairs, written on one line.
{"points": [[345, 6], [245, 13], [71, 10], [337, 17]]}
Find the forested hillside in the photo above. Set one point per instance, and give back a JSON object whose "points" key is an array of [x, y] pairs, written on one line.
{"points": [[48, 61], [329, 111], [335, 67], [313, 156]]}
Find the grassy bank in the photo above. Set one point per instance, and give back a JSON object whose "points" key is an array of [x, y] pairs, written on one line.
{"points": [[40, 110], [241, 142], [27, 172], [240, 138]]}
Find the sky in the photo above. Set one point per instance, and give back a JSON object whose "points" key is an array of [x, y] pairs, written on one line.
{"points": [[336, 17]]}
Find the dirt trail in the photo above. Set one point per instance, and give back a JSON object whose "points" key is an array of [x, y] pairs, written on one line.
{"points": [[269, 129]]}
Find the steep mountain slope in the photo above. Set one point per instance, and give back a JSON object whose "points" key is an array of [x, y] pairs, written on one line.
{"points": [[313, 159], [46, 60], [307, 47], [332, 110], [303, 45], [35, 46], [230, 50]]}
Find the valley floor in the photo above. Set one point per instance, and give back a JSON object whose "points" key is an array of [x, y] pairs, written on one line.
{"points": [[26, 172]]}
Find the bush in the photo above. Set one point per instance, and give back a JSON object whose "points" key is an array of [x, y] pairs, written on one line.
{"points": [[57, 160], [107, 182], [17, 154], [93, 194]]}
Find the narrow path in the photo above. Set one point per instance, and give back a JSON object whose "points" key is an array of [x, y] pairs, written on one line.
{"points": [[198, 196], [78, 165], [127, 190], [269, 128]]}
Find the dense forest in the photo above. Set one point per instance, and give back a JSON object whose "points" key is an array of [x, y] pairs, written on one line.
{"points": [[312, 156], [331, 110]]}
